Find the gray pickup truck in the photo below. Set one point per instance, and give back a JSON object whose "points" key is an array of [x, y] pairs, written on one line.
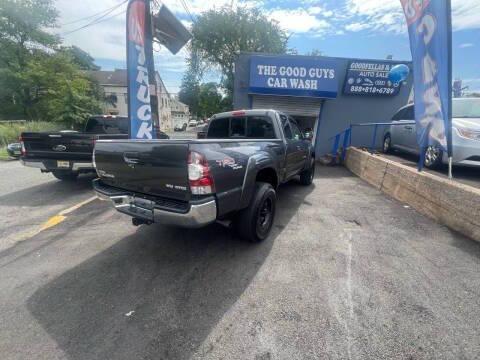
{"points": [[231, 176]]}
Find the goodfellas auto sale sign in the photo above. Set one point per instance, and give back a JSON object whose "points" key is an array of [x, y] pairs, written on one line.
{"points": [[138, 36]]}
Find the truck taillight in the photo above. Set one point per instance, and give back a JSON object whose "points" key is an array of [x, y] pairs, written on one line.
{"points": [[199, 176], [23, 150]]}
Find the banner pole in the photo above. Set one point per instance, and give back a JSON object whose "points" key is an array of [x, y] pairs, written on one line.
{"points": [[151, 70], [450, 79]]}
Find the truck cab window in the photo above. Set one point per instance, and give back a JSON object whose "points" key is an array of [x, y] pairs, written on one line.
{"points": [[237, 127], [297, 134], [260, 127], [287, 131], [218, 128]]}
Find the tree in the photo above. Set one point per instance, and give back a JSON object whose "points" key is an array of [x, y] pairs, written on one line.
{"points": [[40, 80], [219, 35], [81, 58], [210, 100], [69, 98], [24, 26]]}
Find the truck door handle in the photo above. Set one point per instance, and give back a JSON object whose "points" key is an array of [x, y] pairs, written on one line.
{"points": [[408, 128]]}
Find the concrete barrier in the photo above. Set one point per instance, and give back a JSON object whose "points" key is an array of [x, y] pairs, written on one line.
{"points": [[450, 203]]}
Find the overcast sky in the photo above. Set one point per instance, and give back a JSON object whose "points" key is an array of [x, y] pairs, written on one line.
{"points": [[345, 28]]}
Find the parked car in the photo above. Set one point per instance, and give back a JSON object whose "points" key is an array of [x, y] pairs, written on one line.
{"points": [[14, 150], [465, 135], [231, 176], [192, 123], [180, 128], [66, 154]]}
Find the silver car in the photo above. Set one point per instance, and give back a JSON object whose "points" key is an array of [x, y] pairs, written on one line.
{"points": [[465, 134]]}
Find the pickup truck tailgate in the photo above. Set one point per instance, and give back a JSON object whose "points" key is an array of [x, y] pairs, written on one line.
{"points": [[58, 145], [157, 167]]}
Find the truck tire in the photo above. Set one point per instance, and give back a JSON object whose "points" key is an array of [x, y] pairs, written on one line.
{"points": [[65, 175], [255, 222], [306, 176]]}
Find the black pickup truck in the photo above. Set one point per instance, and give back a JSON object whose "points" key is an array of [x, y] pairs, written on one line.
{"points": [[67, 153], [232, 174]]}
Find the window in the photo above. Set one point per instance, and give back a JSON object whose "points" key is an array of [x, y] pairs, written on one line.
{"points": [[409, 113], [297, 134], [287, 131], [260, 127], [237, 127], [114, 125], [466, 108], [252, 127], [404, 114], [94, 126], [218, 128]]}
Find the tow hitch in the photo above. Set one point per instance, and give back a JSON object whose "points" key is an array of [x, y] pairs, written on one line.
{"points": [[138, 222]]}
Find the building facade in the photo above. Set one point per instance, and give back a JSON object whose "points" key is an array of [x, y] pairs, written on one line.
{"points": [[180, 112], [324, 94], [114, 84]]}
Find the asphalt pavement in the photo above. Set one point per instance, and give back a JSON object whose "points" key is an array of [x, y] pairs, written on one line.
{"points": [[347, 273]]}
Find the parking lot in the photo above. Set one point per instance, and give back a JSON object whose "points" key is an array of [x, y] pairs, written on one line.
{"points": [[347, 273]]}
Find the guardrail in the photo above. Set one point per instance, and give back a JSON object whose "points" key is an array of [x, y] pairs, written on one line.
{"points": [[347, 137]]}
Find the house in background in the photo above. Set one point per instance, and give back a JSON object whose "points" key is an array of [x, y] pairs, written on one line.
{"points": [[114, 84], [180, 112]]}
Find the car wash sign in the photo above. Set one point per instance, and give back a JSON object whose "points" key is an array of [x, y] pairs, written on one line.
{"points": [[293, 76], [139, 108], [370, 78]]}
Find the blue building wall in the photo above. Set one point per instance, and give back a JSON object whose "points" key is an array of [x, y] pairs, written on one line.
{"points": [[337, 114]]}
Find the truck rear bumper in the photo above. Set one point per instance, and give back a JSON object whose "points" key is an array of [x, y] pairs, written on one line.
{"points": [[48, 165], [198, 214]]}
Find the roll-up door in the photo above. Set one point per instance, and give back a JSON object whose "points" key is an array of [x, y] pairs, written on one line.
{"points": [[295, 106]]}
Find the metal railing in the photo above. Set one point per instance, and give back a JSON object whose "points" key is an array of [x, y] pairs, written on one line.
{"points": [[347, 137]]}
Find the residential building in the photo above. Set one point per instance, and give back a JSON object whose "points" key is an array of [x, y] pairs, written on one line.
{"points": [[114, 84], [180, 112]]}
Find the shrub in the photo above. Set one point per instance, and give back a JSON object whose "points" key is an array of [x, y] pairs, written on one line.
{"points": [[10, 131]]}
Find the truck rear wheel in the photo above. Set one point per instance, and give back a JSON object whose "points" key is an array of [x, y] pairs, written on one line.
{"points": [[65, 175], [255, 222]]}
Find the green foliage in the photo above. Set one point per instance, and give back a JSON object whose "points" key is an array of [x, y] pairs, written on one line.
{"points": [[4, 154], [219, 35], [210, 100], [10, 131], [81, 58], [41, 80]]}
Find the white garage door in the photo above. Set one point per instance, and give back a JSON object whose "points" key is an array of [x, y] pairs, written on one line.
{"points": [[295, 106]]}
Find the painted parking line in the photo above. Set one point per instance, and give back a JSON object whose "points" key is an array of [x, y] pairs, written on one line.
{"points": [[51, 222]]}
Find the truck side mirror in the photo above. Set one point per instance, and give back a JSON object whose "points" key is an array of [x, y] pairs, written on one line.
{"points": [[201, 135]]}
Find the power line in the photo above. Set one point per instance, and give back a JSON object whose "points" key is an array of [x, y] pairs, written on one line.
{"points": [[187, 10], [93, 15], [101, 19], [97, 21]]}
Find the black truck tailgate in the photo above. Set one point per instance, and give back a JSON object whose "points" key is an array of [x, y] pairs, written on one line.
{"points": [[58, 145], [157, 167]]}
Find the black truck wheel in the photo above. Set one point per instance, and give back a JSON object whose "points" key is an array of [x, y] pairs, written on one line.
{"points": [[306, 176], [65, 175], [255, 222]]}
